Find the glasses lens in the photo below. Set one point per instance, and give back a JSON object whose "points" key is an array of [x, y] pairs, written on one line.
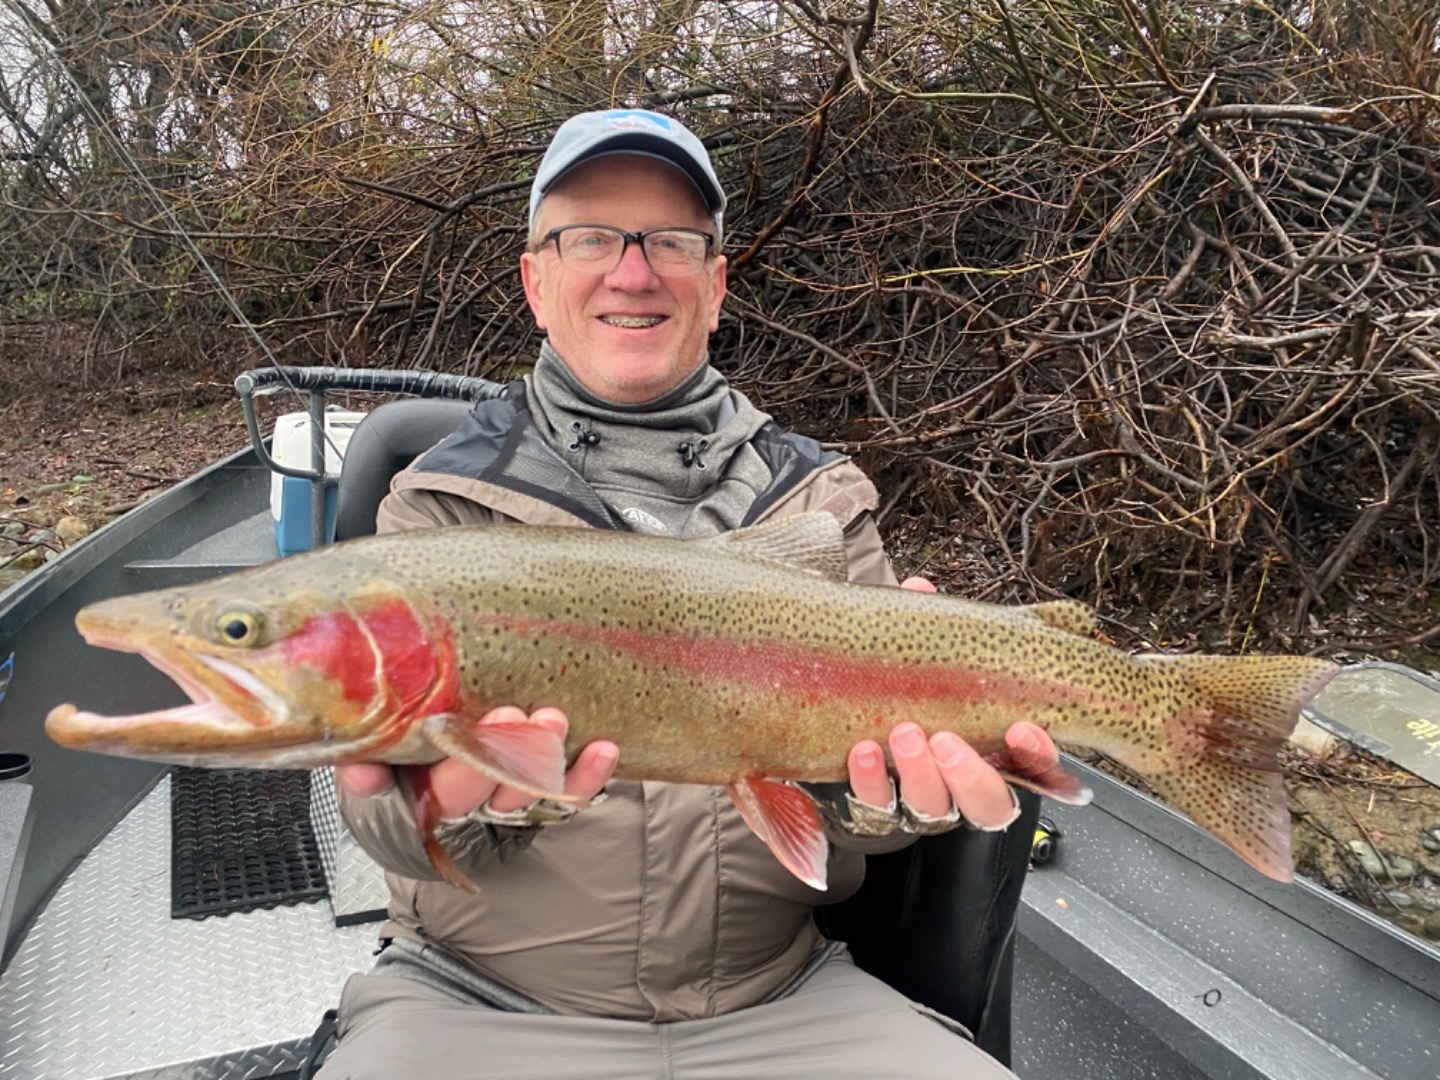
{"points": [[676, 251], [590, 245]]}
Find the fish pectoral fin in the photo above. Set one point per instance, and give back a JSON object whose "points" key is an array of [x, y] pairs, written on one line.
{"points": [[415, 783], [521, 754], [813, 541], [789, 822], [1034, 772], [1070, 615]]}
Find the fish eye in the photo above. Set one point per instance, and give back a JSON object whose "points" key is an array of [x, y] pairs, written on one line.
{"points": [[239, 626]]}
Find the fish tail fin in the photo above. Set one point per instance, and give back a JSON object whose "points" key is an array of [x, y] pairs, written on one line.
{"points": [[414, 781], [1225, 743]]}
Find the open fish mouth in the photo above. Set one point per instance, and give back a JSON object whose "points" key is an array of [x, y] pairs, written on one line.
{"points": [[227, 703]]}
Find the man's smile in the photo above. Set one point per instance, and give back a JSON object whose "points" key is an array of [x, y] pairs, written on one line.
{"points": [[632, 322]]}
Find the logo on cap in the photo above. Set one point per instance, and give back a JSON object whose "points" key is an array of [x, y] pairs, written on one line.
{"points": [[638, 120]]}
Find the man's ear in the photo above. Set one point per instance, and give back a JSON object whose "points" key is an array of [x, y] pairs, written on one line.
{"points": [[531, 276]]}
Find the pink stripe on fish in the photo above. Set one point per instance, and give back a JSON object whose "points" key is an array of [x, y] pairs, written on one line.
{"points": [[810, 673]]}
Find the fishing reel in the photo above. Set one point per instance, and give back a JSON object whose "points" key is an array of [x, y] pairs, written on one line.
{"points": [[1045, 845]]}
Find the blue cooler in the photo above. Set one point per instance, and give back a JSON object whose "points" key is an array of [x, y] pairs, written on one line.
{"points": [[289, 495]]}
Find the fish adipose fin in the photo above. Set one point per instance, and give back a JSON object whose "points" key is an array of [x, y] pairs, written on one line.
{"points": [[1228, 777], [813, 542], [789, 822], [415, 783], [518, 753]]}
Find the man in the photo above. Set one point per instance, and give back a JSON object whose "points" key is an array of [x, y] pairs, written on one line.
{"points": [[651, 934]]}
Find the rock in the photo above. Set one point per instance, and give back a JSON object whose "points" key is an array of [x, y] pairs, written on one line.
{"points": [[31, 559], [1395, 868], [1402, 869], [1369, 859], [1431, 839], [17, 529], [1314, 740], [1432, 926], [1400, 898], [70, 529]]}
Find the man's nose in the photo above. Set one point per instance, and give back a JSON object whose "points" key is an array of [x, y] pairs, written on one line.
{"points": [[633, 271]]}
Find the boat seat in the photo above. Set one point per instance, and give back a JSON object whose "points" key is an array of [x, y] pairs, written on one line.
{"points": [[936, 920], [387, 440]]}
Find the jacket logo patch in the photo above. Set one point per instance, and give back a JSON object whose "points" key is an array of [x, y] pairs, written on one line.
{"points": [[641, 521]]}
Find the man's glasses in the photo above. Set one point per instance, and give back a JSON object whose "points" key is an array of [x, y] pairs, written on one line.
{"points": [[599, 248]]}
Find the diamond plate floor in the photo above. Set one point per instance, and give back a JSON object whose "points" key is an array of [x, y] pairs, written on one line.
{"points": [[108, 986]]}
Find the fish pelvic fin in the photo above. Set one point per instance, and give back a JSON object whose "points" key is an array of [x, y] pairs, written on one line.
{"points": [[1226, 743], [789, 822], [1033, 772], [813, 541], [414, 781], [521, 754]]}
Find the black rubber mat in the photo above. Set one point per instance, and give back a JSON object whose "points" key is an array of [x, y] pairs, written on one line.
{"points": [[240, 841]]}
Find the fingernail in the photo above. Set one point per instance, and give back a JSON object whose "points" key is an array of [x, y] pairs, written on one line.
{"points": [[867, 758], [606, 757], [908, 739], [1026, 739], [948, 748]]}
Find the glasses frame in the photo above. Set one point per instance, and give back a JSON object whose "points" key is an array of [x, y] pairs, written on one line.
{"points": [[631, 238]]}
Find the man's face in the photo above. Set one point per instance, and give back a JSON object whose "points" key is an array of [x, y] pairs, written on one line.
{"points": [[629, 335]]}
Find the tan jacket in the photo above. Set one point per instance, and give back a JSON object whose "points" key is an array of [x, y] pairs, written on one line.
{"points": [[657, 903]]}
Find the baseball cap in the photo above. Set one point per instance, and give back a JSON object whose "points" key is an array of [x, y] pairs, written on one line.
{"points": [[627, 131]]}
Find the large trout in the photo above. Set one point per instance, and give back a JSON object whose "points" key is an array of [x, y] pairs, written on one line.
{"points": [[744, 660]]}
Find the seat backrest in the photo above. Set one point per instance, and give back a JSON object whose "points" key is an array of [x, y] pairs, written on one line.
{"points": [[386, 441]]}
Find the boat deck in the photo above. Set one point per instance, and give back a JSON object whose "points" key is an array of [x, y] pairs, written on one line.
{"points": [[108, 985]]}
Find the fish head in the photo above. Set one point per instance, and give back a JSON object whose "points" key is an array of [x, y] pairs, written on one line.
{"points": [[281, 671]]}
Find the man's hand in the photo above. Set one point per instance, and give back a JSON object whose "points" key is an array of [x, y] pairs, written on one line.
{"points": [[459, 789], [943, 771]]}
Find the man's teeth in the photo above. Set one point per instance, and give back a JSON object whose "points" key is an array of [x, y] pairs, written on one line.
{"points": [[631, 322]]}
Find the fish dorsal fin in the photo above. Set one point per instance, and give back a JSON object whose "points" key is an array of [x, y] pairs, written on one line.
{"points": [[812, 541], [1069, 615]]}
